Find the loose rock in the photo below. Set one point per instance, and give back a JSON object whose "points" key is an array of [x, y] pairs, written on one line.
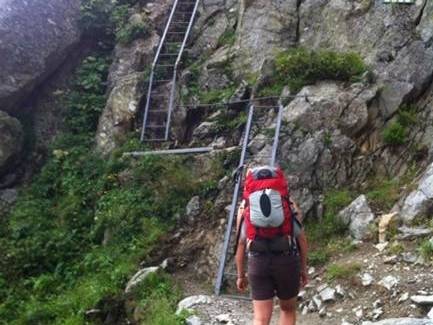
{"points": [[389, 282], [422, 300], [367, 279], [193, 320], [401, 321], [358, 216]]}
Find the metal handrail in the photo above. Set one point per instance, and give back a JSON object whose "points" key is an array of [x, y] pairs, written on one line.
{"points": [[277, 134], [220, 274], [179, 57], [152, 73]]}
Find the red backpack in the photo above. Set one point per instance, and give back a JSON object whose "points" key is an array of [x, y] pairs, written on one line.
{"points": [[267, 212]]}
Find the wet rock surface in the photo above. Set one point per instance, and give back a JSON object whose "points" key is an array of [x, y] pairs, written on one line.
{"points": [[35, 38]]}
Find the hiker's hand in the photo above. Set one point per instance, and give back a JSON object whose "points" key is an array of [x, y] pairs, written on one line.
{"points": [[304, 278], [242, 283]]}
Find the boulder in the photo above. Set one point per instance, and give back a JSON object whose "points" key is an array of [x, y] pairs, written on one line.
{"points": [[358, 216], [11, 140], [420, 201], [189, 302], [331, 105], [35, 38], [142, 274]]}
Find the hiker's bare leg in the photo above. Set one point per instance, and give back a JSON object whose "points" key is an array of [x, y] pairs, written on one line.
{"points": [[288, 312], [262, 311]]}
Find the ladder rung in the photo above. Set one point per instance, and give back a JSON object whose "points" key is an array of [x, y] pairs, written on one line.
{"points": [[176, 32], [164, 65], [155, 140], [180, 22], [157, 110], [162, 80], [168, 54], [154, 126]]}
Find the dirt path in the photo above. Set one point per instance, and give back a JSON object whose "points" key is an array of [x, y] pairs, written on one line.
{"points": [[359, 302]]}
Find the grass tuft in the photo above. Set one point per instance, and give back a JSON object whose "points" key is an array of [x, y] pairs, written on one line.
{"points": [[342, 271]]}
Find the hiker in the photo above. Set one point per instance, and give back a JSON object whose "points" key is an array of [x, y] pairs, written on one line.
{"points": [[269, 228]]}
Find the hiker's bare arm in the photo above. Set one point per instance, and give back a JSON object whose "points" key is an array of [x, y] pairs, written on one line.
{"points": [[298, 210], [240, 258], [303, 248]]}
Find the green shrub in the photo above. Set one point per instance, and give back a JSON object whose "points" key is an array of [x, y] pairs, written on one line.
{"points": [[216, 95], [407, 116], [318, 257], [342, 271], [79, 231], [395, 134], [158, 295], [132, 31], [383, 193], [111, 18], [336, 200], [299, 67], [96, 16], [227, 38], [229, 121], [426, 249]]}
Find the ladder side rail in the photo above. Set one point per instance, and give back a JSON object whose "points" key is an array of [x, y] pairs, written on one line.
{"points": [[227, 236], [277, 135], [152, 73], [179, 57]]}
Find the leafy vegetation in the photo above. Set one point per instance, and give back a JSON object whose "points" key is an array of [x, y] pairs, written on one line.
{"points": [[342, 271], [228, 38], [112, 19], [299, 67], [327, 237], [79, 231], [216, 95], [396, 133], [228, 121], [426, 249]]}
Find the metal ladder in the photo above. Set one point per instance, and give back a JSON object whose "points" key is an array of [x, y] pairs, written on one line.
{"points": [[221, 275], [157, 113]]}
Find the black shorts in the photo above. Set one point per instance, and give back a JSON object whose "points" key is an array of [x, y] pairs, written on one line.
{"points": [[271, 275]]}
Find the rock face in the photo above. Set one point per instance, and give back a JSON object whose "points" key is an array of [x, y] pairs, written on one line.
{"points": [[419, 202], [383, 34], [11, 139], [127, 88], [35, 37], [319, 126], [263, 27], [359, 217]]}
